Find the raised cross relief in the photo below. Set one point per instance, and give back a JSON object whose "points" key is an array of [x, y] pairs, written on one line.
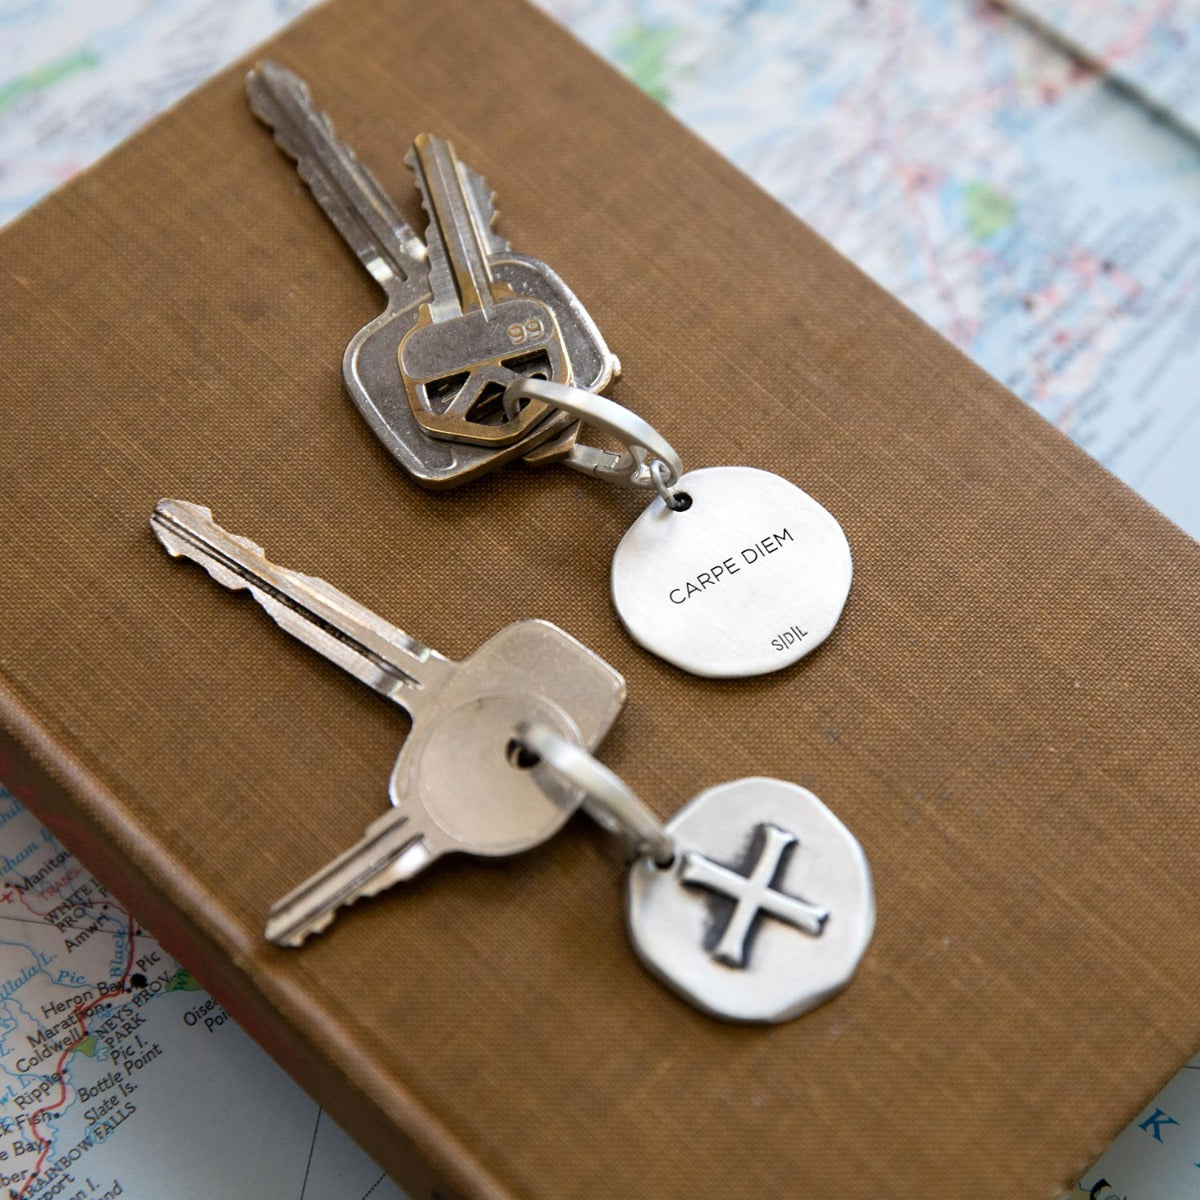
{"points": [[754, 895]]}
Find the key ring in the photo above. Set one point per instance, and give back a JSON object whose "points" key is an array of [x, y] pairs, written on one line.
{"points": [[628, 469], [607, 798]]}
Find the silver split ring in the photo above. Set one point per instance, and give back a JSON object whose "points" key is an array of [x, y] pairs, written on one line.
{"points": [[607, 798], [639, 437], [661, 478]]}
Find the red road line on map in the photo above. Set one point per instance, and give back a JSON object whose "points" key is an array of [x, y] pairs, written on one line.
{"points": [[81, 1012], [21, 894]]}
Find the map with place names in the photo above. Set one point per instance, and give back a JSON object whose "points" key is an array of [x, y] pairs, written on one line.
{"points": [[113, 1058], [1030, 187], [1155, 1158]]}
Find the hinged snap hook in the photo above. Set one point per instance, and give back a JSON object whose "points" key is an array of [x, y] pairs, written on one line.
{"points": [[641, 439], [607, 798]]}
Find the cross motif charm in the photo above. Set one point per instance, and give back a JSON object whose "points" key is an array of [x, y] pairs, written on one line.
{"points": [[753, 894]]}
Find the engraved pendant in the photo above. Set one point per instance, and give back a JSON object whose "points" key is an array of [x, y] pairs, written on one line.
{"points": [[749, 577], [765, 910]]}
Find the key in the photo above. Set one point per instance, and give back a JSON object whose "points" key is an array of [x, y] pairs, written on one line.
{"points": [[369, 222], [475, 335], [453, 787], [396, 258], [350, 195]]}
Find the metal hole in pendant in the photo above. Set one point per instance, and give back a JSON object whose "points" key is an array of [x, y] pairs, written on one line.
{"points": [[519, 756]]}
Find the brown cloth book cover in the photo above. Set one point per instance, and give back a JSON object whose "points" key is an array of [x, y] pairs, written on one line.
{"points": [[1006, 715]]}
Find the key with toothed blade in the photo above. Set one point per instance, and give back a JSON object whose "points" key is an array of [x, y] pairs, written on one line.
{"points": [[386, 245], [454, 786], [474, 335], [371, 225]]}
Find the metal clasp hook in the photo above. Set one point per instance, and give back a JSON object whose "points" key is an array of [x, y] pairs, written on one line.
{"points": [[641, 439], [607, 798]]}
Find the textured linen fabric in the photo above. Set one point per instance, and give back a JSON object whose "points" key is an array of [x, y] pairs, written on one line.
{"points": [[1006, 715]]}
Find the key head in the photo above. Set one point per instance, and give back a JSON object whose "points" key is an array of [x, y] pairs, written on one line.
{"points": [[593, 364], [455, 371], [474, 793], [372, 374], [458, 783], [457, 772], [371, 370], [478, 331]]}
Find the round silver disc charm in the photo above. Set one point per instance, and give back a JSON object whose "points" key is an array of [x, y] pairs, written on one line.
{"points": [[767, 908], [749, 578]]}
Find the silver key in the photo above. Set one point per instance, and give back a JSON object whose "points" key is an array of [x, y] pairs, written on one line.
{"points": [[396, 258], [350, 195], [453, 786]]}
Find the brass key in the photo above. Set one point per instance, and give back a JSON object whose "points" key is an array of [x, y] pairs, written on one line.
{"points": [[475, 335]]}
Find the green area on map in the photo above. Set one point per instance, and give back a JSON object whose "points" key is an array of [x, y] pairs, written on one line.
{"points": [[183, 981], [45, 76], [988, 211]]}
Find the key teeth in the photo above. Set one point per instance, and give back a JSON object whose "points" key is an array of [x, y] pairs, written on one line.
{"points": [[295, 938], [485, 202], [188, 531], [282, 934], [410, 161], [282, 101], [268, 76], [182, 510], [173, 519]]}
